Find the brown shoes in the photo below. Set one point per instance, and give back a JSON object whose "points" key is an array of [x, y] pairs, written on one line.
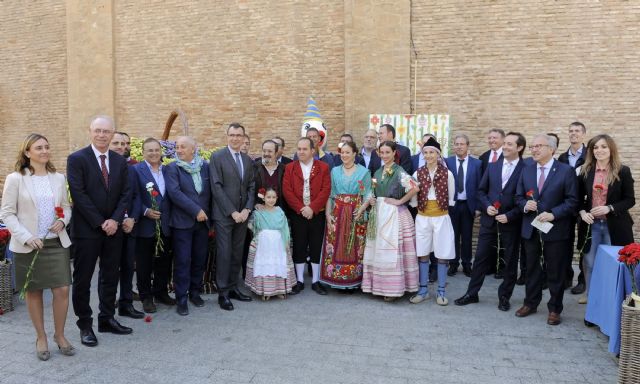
{"points": [[554, 318], [525, 311]]}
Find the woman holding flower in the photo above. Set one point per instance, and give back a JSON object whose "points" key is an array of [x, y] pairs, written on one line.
{"points": [[606, 194], [341, 263], [390, 266], [35, 208]]}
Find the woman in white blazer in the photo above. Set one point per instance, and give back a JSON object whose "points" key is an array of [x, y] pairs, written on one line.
{"points": [[35, 208]]}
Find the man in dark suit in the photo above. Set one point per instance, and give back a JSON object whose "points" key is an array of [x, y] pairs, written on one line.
{"points": [[187, 186], [387, 132], [125, 301], [495, 139], [232, 186], [500, 221], [467, 173], [337, 160], [284, 160], [369, 151], [547, 193], [99, 186], [150, 180], [574, 156]]}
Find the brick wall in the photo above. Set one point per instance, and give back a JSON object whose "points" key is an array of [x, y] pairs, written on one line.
{"points": [[223, 61], [33, 78], [532, 67]]}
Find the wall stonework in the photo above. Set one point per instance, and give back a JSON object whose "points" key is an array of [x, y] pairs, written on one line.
{"points": [[527, 66]]}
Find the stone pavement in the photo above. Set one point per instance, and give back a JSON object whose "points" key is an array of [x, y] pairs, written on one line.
{"points": [[338, 338]]}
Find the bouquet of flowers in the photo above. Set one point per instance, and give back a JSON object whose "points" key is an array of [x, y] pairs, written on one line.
{"points": [[409, 183], [5, 236], [154, 205], [630, 257], [59, 213]]}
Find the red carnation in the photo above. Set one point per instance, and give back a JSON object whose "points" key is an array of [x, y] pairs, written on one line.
{"points": [[262, 191], [154, 193], [1, 311], [530, 193], [497, 204], [148, 319], [59, 212], [598, 187]]}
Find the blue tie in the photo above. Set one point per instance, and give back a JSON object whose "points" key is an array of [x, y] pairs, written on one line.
{"points": [[239, 164]]}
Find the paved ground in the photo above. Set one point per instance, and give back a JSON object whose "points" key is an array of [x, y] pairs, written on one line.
{"points": [[333, 339]]}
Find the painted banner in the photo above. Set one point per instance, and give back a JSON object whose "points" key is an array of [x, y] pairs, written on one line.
{"points": [[410, 128]]}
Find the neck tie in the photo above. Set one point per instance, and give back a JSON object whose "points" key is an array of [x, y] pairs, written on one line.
{"points": [[506, 173], [103, 168], [460, 179], [239, 165], [495, 157], [541, 179]]}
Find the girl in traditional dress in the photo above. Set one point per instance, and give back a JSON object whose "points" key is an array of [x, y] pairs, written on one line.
{"points": [[341, 263], [390, 264], [270, 269], [437, 187]]}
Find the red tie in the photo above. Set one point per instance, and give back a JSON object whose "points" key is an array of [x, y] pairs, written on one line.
{"points": [[495, 157], [541, 179], [103, 167]]}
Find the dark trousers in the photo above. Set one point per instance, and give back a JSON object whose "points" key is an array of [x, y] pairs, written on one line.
{"points": [[127, 269], [523, 258], [556, 263], [229, 249], [87, 251], [307, 234], [486, 253], [570, 248], [190, 256], [152, 273], [462, 221], [245, 252]]}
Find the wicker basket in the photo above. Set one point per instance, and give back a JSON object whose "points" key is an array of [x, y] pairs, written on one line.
{"points": [[629, 365], [6, 290]]}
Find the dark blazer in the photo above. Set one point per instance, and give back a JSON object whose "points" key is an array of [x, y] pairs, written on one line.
{"points": [[490, 190], [415, 161], [284, 160], [185, 201], [374, 163], [472, 179], [559, 196], [485, 159], [230, 193], [621, 196], [404, 158], [564, 157], [93, 202], [146, 227]]}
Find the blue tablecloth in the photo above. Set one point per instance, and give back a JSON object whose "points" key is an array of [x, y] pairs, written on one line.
{"points": [[610, 285]]}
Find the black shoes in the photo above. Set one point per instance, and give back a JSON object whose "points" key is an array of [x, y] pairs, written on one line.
{"points": [[196, 300], [165, 299], [112, 326], [504, 304], [466, 299], [453, 269], [299, 287], [129, 311], [182, 308], [225, 302], [466, 269], [588, 324], [520, 280], [148, 306], [578, 289], [318, 288], [236, 294], [88, 338]]}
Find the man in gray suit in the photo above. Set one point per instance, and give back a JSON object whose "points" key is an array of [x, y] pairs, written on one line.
{"points": [[232, 188]]}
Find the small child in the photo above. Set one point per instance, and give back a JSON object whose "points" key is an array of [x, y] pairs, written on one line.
{"points": [[270, 268]]}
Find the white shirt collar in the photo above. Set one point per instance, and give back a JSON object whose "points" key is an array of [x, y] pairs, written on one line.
{"points": [[98, 153], [546, 166], [233, 153], [513, 162]]}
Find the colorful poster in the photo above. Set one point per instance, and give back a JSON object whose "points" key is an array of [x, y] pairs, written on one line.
{"points": [[410, 128]]}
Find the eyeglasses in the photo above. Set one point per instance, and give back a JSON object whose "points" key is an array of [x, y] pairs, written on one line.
{"points": [[99, 131], [537, 146]]}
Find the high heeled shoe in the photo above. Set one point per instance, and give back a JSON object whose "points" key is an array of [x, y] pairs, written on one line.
{"points": [[42, 355], [69, 350]]}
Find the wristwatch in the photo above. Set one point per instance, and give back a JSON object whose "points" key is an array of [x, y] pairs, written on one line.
{"points": [[610, 208]]}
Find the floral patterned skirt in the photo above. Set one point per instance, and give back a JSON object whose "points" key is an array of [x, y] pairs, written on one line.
{"points": [[339, 266]]}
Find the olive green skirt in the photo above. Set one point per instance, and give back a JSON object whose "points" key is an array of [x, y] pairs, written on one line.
{"points": [[51, 268]]}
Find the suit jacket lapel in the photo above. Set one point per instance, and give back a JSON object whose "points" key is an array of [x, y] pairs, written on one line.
{"points": [[232, 162], [512, 178], [28, 182], [550, 175]]}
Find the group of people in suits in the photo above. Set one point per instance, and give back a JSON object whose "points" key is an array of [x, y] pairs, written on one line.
{"points": [[339, 207]]}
